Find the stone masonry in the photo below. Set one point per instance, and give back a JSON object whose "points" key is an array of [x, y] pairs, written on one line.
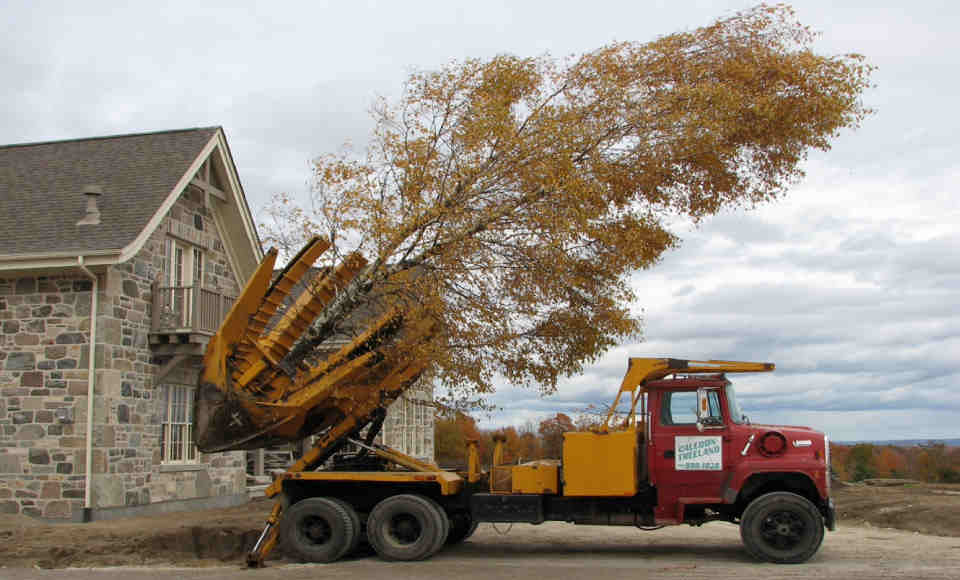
{"points": [[44, 346]]}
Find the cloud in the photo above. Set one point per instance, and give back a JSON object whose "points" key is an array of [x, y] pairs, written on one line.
{"points": [[849, 283]]}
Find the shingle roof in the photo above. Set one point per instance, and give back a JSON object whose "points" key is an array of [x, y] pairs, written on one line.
{"points": [[41, 188]]}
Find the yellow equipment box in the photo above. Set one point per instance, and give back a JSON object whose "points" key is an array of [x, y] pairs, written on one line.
{"points": [[600, 464], [535, 478]]}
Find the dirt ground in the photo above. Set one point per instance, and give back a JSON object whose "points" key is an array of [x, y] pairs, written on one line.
{"points": [[928, 509], [216, 537]]}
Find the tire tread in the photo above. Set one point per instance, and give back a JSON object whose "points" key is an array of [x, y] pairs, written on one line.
{"points": [[758, 505]]}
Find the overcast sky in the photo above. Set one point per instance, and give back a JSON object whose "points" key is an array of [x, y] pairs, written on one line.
{"points": [[849, 284]]}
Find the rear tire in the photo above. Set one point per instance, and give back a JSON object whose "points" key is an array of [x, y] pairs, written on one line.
{"points": [[407, 527], [317, 529], [782, 527], [354, 539]]}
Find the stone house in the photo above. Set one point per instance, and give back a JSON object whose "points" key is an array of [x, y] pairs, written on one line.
{"points": [[119, 257]]}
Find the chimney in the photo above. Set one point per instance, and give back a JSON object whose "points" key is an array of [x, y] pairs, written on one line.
{"points": [[93, 212]]}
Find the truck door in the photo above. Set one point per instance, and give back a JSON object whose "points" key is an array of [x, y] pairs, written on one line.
{"points": [[687, 464]]}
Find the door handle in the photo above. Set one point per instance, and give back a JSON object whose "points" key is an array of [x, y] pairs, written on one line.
{"points": [[668, 454]]}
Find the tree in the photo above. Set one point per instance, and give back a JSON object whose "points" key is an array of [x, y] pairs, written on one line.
{"points": [[861, 463], [891, 463], [839, 455], [551, 432], [451, 433], [933, 464], [517, 195]]}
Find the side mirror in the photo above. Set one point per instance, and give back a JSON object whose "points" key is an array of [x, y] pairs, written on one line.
{"points": [[704, 417], [703, 406]]}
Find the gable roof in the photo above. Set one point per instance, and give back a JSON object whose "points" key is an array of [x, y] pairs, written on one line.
{"points": [[41, 188], [41, 192]]}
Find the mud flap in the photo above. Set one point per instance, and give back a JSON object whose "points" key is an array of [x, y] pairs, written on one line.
{"points": [[830, 517]]}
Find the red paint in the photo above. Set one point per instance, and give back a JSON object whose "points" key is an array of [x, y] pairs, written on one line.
{"points": [[677, 488]]}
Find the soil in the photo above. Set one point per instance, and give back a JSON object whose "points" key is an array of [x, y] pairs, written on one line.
{"points": [[196, 538], [928, 509], [222, 536]]}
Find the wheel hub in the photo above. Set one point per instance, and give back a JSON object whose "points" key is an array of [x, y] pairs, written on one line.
{"points": [[405, 528], [782, 530], [317, 530]]}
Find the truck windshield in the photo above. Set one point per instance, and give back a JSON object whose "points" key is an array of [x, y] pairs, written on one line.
{"points": [[736, 413]]}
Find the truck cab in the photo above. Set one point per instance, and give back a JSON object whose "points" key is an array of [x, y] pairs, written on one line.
{"points": [[706, 459]]}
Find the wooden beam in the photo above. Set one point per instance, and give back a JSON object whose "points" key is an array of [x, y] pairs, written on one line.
{"points": [[177, 349], [168, 367], [209, 188]]}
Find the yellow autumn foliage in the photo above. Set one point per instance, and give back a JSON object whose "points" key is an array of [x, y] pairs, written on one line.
{"points": [[521, 193]]}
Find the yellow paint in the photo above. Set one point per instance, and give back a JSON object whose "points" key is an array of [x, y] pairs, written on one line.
{"points": [[536, 478], [473, 461], [600, 464]]}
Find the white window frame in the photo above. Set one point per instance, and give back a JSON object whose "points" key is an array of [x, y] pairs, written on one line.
{"points": [[177, 443], [183, 267], [197, 266]]}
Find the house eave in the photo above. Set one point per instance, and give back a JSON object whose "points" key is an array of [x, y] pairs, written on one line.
{"points": [[58, 260]]}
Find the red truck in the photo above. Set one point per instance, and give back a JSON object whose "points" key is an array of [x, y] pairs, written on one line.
{"points": [[684, 453]]}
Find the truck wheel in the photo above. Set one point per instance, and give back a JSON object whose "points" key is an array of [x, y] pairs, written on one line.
{"points": [[462, 527], [781, 527], [357, 525], [407, 527], [317, 529]]}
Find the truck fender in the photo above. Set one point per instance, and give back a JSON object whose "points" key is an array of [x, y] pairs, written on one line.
{"points": [[761, 483]]}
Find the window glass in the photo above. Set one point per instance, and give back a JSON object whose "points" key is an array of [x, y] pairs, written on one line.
{"points": [[177, 444], [736, 413], [680, 408], [197, 267], [713, 402]]}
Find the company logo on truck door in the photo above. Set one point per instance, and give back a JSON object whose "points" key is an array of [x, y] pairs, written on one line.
{"points": [[698, 453]]}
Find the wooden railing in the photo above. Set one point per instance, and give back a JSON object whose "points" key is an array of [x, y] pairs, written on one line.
{"points": [[188, 309]]}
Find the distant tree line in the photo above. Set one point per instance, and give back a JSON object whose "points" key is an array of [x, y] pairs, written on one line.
{"points": [[530, 441], [933, 462]]}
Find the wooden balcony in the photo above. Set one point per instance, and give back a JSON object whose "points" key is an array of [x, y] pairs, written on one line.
{"points": [[186, 315]]}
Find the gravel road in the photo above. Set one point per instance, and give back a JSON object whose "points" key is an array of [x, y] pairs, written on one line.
{"points": [[558, 551]]}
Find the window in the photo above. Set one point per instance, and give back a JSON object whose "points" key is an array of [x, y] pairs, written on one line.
{"points": [[736, 413], [183, 269], [198, 267], [680, 408], [418, 432], [182, 264], [176, 440], [716, 415]]}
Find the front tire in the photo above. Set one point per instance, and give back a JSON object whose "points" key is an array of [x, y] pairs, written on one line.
{"points": [[318, 529], [781, 527], [407, 527], [462, 527]]}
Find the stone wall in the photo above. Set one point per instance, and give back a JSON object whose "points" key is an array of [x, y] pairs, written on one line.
{"points": [[44, 327], [44, 342]]}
